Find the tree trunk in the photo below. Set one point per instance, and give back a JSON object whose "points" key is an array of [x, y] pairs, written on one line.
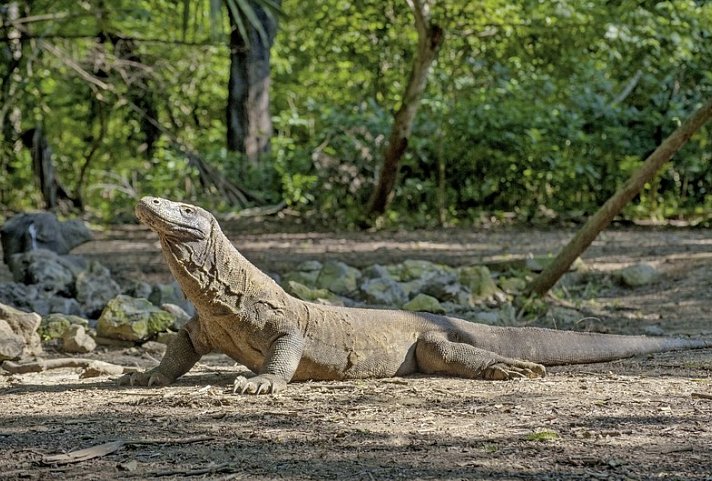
{"points": [[249, 125], [585, 236], [430, 38]]}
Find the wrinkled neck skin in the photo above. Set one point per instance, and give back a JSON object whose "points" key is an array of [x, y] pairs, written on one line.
{"points": [[212, 273]]}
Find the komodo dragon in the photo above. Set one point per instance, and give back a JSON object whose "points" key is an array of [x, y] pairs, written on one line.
{"points": [[243, 313]]}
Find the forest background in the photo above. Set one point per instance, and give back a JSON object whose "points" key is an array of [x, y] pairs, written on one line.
{"points": [[533, 111]]}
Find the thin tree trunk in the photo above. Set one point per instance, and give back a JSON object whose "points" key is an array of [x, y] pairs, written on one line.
{"points": [[585, 236], [430, 38], [249, 124]]}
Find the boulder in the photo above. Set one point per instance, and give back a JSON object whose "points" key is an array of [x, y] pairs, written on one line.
{"points": [[478, 280], [383, 291], [320, 296], [132, 319], [11, 345], [138, 289], [181, 317], [53, 326], [637, 275], [171, 293], [424, 303], [95, 287], [76, 340], [306, 273], [49, 271], [25, 325], [31, 231], [338, 277]]}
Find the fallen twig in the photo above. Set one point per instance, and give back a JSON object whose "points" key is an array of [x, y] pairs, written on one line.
{"points": [[701, 395], [92, 367], [108, 448]]}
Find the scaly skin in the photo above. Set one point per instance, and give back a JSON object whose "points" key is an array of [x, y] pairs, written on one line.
{"points": [[243, 313]]}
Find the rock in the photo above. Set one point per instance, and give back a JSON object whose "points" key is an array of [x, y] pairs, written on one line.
{"points": [[412, 269], [485, 317], [49, 271], [478, 280], [95, 288], [653, 330], [338, 277], [306, 273], [306, 278], [424, 303], [76, 340], [181, 317], [376, 271], [131, 319], [53, 326], [31, 231], [383, 291], [320, 296], [166, 337], [637, 275], [24, 324], [512, 285], [413, 288], [442, 286], [171, 293], [18, 295], [139, 289], [11, 345], [154, 347]]}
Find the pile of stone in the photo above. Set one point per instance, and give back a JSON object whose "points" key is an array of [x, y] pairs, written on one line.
{"points": [[71, 301]]}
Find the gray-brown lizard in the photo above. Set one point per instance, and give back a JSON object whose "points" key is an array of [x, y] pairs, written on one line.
{"points": [[243, 313]]}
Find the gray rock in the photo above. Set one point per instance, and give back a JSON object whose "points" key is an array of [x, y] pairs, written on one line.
{"points": [[310, 266], [376, 271], [76, 340], [18, 295], [48, 270], [320, 296], [513, 284], [11, 345], [442, 285], [95, 288], [181, 317], [424, 303], [131, 319], [154, 347], [171, 293], [31, 231], [383, 291], [637, 275], [53, 326], [308, 278], [654, 330], [139, 289], [412, 269], [24, 324], [478, 280], [338, 277]]}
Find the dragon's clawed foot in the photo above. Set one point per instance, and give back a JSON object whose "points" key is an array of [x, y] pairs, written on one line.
{"points": [[152, 377], [503, 371], [261, 384]]}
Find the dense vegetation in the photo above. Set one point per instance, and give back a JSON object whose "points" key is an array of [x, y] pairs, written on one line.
{"points": [[536, 110]]}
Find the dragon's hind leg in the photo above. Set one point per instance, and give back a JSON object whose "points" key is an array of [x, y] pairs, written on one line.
{"points": [[436, 354]]}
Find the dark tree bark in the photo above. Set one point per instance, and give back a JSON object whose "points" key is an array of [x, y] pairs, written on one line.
{"points": [[430, 38], [584, 237], [43, 168], [249, 125]]}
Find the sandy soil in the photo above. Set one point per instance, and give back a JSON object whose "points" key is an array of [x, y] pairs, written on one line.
{"points": [[642, 418]]}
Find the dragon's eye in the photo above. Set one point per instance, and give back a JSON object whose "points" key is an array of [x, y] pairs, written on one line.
{"points": [[187, 210]]}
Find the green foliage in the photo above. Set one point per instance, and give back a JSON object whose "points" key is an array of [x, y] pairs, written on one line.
{"points": [[537, 110]]}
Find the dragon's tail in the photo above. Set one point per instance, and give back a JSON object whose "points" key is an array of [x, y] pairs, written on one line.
{"points": [[554, 347]]}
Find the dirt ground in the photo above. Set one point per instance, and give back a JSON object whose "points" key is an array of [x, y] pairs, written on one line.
{"points": [[642, 418]]}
